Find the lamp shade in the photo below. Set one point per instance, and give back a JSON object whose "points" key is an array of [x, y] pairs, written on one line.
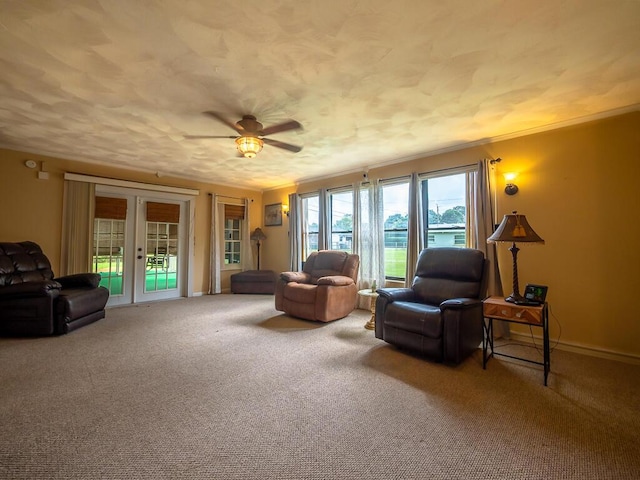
{"points": [[258, 235], [515, 228]]}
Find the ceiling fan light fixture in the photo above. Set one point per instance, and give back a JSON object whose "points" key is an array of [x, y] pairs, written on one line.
{"points": [[249, 146]]}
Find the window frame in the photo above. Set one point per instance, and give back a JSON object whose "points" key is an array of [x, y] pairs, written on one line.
{"points": [[233, 242], [306, 250], [383, 185], [346, 233], [467, 171]]}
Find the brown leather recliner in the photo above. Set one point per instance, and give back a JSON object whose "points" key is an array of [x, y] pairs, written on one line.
{"points": [[440, 316], [32, 302], [324, 291]]}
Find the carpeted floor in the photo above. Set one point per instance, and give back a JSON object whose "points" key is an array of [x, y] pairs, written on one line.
{"points": [[224, 387]]}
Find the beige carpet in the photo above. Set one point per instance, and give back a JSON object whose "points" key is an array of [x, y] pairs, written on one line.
{"points": [[225, 387]]}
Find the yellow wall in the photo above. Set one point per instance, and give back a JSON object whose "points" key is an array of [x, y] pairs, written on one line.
{"points": [[578, 189], [32, 208]]}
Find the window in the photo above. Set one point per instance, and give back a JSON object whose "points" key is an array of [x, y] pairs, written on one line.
{"points": [[310, 225], [233, 225], [444, 205], [342, 220], [395, 208]]}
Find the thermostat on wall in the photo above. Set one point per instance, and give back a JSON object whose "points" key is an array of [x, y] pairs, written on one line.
{"points": [[30, 163]]}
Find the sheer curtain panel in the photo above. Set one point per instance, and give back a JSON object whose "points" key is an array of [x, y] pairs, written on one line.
{"points": [[368, 237]]}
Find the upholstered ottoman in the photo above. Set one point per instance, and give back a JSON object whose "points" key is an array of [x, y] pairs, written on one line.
{"points": [[254, 281]]}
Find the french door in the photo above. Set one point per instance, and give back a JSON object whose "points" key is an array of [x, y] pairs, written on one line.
{"points": [[141, 244]]}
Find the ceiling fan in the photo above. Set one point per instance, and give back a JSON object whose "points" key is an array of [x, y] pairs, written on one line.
{"points": [[251, 133]]}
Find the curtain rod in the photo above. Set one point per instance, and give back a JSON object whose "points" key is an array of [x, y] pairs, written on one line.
{"points": [[408, 176], [459, 167], [114, 182], [226, 196]]}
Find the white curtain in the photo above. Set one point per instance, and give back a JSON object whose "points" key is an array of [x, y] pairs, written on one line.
{"points": [[415, 237], [77, 227], [246, 254], [368, 237], [215, 256], [295, 233]]}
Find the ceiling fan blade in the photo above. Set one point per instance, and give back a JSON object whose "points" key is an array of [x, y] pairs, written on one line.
{"points": [[209, 136], [283, 127], [286, 146], [221, 119]]}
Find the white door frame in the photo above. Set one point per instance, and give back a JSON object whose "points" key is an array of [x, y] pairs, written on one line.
{"points": [[135, 217]]}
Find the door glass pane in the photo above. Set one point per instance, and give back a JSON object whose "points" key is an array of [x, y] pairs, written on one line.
{"points": [[161, 256], [108, 253]]}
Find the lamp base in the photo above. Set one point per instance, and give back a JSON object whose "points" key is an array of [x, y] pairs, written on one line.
{"points": [[514, 298]]}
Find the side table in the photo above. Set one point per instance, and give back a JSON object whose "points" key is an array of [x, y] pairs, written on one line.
{"points": [[496, 308], [371, 324]]}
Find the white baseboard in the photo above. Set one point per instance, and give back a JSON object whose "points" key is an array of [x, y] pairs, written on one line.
{"points": [[578, 348]]}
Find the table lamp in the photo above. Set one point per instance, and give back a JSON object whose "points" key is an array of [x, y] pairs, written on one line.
{"points": [[515, 228], [258, 235]]}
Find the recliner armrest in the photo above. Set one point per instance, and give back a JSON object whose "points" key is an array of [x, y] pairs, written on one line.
{"points": [[31, 289], [80, 280], [396, 294], [460, 303], [298, 277], [335, 280]]}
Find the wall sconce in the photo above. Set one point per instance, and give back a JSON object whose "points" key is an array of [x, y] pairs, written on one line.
{"points": [[285, 209], [510, 188]]}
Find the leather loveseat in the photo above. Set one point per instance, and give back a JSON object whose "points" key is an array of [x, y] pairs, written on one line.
{"points": [[325, 290], [33, 302]]}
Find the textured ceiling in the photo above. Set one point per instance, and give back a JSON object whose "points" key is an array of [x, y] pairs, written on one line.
{"points": [[122, 81]]}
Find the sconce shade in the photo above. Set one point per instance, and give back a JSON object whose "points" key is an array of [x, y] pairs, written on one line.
{"points": [[258, 235], [515, 228], [249, 146], [511, 189]]}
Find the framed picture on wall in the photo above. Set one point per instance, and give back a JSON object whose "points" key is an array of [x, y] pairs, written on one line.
{"points": [[273, 215]]}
